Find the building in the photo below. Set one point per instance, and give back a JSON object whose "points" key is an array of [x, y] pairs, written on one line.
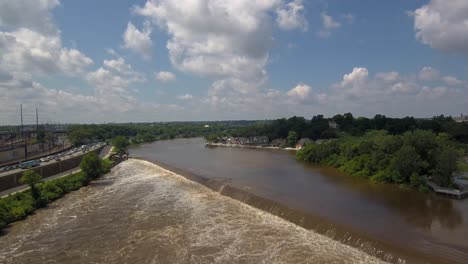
{"points": [[302, 142], [332, 124], [279, 142], [259, 140], [461, 119]]}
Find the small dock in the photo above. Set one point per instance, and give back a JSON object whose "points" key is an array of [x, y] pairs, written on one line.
{"points": [[446, 191]]}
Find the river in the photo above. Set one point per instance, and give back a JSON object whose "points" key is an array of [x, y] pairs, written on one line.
{"points": [[141, 213], [383, 220]]}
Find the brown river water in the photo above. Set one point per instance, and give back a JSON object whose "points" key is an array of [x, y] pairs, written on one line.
{"points": [[141, 213]]}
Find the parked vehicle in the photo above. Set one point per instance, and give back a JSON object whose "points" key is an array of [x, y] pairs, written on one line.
{"points": [[29, 164]]}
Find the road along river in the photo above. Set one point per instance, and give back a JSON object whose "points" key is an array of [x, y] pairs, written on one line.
{"points": [[141, 213], [383, 220]]}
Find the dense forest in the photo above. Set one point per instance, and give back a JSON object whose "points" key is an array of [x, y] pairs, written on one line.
{"points": [[402, 159], [319, 127], [148, 132]]}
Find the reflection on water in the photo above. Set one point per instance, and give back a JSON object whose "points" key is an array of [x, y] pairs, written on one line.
{"points": [[418, 209], [414, 225], [141, 214]]}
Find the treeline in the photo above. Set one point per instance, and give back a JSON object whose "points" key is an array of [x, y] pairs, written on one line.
{"points": [[21, 204], [402, 159], [320, 127], [147, 132]]}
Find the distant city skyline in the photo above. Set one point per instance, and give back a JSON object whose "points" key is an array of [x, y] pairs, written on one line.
{"points": [[199, 60]]}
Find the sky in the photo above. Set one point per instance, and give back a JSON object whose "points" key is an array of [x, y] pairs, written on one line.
{"points": [[105, 61]]}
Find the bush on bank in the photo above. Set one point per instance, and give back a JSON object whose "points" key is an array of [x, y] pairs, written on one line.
{"points": [[19, 205], [380, 157]]}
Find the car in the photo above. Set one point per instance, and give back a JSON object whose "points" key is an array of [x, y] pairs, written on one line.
{"points": [[58, 158]]}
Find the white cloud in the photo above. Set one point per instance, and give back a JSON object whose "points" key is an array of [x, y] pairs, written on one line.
{"points": [[165, 76], [32, 14], [303, 93], [185, 97], [227, 41], [443, 25], [138, 41], [388, 76], [357, 76], [291, 16], [429, 74], [300, 92], [329, 23], [452, 81], [24, 52]]}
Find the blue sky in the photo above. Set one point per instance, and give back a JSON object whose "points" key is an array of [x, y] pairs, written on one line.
{"points": [[164, 60]]}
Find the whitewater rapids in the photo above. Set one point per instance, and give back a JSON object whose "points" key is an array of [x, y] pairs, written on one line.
{"points": [[142, 213]]}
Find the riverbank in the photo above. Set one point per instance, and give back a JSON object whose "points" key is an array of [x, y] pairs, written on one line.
{"points": [[19, 205], [248, 146]]}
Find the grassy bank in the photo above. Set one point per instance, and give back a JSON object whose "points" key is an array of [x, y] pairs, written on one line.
{"points": [[19, 205]]}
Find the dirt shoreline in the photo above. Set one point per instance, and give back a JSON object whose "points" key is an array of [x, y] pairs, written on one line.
{"points": [[249, 146]]}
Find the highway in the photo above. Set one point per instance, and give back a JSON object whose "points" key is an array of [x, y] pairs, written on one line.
{"points": [[63, 156], [105, 151]]}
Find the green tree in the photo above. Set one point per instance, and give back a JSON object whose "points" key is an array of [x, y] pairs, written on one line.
{"points": [[32, 178], [407, 162], [120, 143], [292, 138], [92, 166], [446, 166]]}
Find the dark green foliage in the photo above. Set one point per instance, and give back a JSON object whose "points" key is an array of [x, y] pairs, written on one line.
{"points": [[401, 159], [32, 178], [319, 127], [147, 132], [292, 139], [120, 143], [92, 165]]}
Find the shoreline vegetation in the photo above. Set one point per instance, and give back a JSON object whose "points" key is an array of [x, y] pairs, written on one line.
{"points": [[20, 205], [402, 151]]}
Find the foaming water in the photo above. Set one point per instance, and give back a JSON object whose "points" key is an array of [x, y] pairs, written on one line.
{"points": [[141, 213]]}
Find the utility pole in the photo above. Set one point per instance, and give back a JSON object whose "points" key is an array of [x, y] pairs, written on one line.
{"points": [[37, 123], [22, 134]]}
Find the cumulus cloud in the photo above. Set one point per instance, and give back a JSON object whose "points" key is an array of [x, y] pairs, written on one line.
{"points": [[27, 52], [185, 97], [138, 41], [357, 76], [165, 76], [329, 23], [428, 74], [32, 14], [291, 16], [227, 41], [443, 25], [303, 93], [452, 81]]}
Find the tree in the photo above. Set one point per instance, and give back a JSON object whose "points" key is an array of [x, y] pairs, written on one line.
{"points": [[292, 138], [446, 165], [406, 161], [120, 143], [32, 178], [92, 166]]}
